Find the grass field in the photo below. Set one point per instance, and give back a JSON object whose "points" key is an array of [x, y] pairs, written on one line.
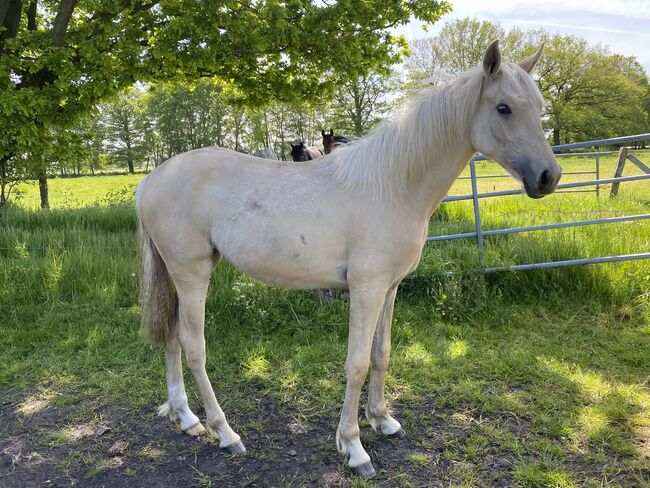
{"points": [[525, 379]]}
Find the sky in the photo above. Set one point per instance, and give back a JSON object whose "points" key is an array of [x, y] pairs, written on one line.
{"points": [[623, 25]]}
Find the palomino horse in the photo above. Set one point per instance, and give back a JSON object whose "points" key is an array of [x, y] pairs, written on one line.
{"points": [[300, 152], [356, 218], [330, 141]]}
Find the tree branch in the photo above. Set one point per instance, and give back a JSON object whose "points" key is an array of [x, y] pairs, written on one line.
{"points": [[31, 15], [61, 21]]}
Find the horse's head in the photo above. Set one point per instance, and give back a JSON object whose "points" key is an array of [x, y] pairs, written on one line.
{"points": [[328, 141], [299, 152], [507, 126]]}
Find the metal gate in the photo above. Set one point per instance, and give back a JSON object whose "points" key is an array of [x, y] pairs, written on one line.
{"points": [[624, 156]]}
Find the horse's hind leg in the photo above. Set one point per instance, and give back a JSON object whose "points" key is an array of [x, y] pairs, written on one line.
{"points": [[176, 406], [191, 286]]}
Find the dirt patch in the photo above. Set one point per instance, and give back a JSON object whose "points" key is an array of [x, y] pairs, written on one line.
{"points": [[103, 446]]}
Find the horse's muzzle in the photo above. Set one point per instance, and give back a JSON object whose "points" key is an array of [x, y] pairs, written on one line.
{"points": [[542, 185]]}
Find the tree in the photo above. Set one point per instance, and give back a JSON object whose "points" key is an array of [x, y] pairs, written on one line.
{"points": [[590, 92], [361, 103], [458, 47], [12, 172], [58, 60], [188, 116], [124, 129]]}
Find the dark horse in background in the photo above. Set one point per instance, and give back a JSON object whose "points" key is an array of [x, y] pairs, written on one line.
{"points": [[300, 152], [330, 141]]}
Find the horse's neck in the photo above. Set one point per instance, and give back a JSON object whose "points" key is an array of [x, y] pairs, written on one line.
{"points": [[446, 152], [426, 193], [416, 158]]}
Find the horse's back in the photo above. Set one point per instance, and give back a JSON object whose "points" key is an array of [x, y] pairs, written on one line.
{"points": [[266, 217]]}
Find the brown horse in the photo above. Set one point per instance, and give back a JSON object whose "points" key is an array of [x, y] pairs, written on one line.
{"points": [[330, 141]]}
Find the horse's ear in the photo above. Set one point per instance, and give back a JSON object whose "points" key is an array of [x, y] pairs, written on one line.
{"points": [[331, 132], [529, 63], [322, 132], [492, 60]]}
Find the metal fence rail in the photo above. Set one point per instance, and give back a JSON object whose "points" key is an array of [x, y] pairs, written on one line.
{"points": [[475, 196]]}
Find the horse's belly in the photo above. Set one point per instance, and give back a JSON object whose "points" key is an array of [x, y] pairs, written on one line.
{"points": [[288, 272], [278, 260]]}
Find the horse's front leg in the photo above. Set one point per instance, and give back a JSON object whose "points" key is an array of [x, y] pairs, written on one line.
{"points": [[365, 305], [376, 410]]}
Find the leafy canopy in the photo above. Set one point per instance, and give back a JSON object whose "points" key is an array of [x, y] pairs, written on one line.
{"points": [[59, 59]]}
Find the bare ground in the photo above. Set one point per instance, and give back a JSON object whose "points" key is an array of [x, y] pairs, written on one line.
{"points": [[101, 445]]}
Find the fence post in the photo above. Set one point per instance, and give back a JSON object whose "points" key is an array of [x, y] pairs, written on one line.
{"points": [[597, 175], [622, 157], [477, 211]]}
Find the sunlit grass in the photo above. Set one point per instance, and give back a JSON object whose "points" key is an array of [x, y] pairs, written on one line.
{"points": [[73, 192]]}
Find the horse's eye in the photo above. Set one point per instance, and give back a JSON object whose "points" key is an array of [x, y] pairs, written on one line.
{"points": [[503, 109]]}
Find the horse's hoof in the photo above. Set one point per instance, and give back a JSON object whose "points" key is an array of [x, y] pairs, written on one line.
{"points": [[196, 430], [400, 434], [366, 471], [236, 447]]}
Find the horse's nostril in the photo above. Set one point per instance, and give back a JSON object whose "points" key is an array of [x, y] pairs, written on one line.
{"points": [[544, 179]]}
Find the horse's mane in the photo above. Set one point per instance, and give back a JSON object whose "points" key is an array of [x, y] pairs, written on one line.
{"points": [[434, 122]]}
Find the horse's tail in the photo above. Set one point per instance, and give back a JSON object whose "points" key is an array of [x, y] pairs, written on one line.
{"points": [[158, 299]]}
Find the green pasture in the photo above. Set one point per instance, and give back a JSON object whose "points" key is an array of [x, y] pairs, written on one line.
{"points": [[563, 353], [75, 192]]}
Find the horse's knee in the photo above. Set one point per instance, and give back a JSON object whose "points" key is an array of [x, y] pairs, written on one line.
{"points": [[356, 371]]}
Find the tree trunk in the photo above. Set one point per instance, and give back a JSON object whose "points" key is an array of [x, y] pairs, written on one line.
{"points": [[43, 190], [63, 15], [10, 11], [129, 156], [3, 180], [556, 136], [358, 114]]}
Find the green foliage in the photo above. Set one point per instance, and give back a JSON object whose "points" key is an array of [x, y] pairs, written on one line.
{"points": [[186, 117], [591, 93], [51, 72]]}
